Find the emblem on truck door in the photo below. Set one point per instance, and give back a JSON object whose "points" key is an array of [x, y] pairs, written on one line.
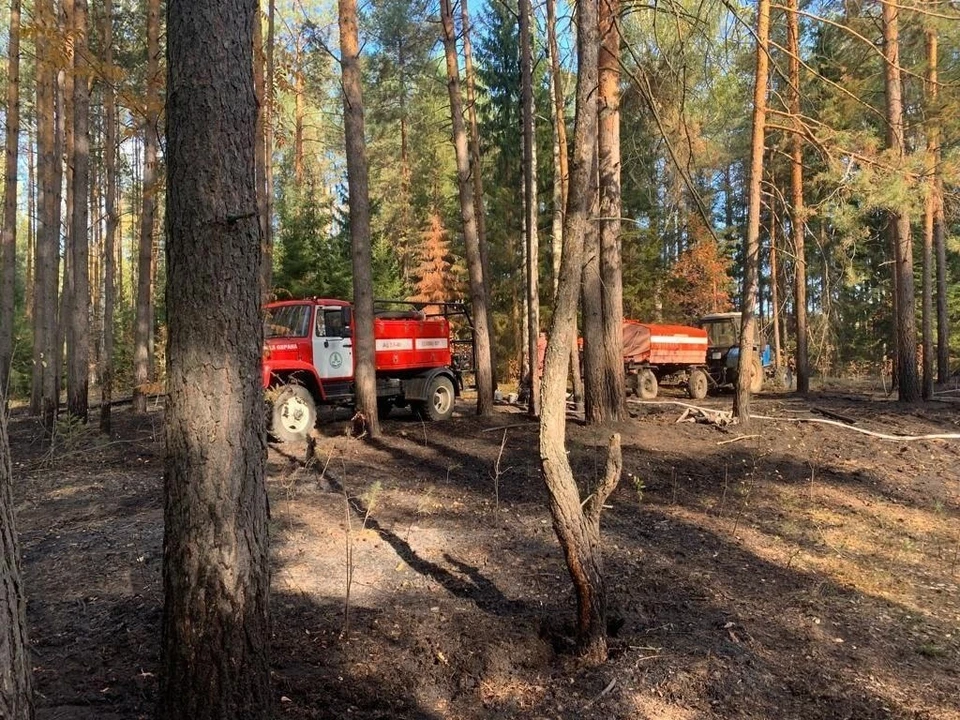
{"points": [[336, 360]]}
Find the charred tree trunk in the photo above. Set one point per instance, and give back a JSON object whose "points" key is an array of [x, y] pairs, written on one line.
{"points": [[611, 273], [8, 239], [798, 217], [468, 215], [751, 244], [144, 325], [78, 356], [530, 205], [365, 354], [112, 220], [576, 522], [215, 571], [16, 695], [905, 319]]}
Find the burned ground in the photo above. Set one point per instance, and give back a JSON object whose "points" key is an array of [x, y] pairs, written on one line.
{"points": [[791, 570]]}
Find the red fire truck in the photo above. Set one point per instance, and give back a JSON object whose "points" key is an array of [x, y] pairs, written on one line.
{"points": [[308, 360]]}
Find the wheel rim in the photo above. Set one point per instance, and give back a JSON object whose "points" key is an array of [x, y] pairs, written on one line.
{"points": [[648, 382], [441, 400], [699, 383], [295, 415]]}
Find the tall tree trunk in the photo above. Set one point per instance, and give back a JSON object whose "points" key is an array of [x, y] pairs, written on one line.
{"points": [[259, 84], [16, 695], [798, 215], [905, 321], [751, 243], [299, 114], [775, 289], [216, 563], [8, 239], [78, 356], [144, 324], [468, 215], [112, 219], [476, 169], [268, 120], [939, 224], [926, 319], [44, 400], [29, 281], [365, 371], [561, 184], [611, 273], [576, 522], [530, 204]]}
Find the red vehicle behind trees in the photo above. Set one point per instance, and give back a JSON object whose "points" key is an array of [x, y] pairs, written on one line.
{"points": [[664, 354], [308, 360]]}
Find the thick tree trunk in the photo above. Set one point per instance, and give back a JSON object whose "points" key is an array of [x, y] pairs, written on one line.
{"points": [[468, 215], [78, 355], [775, 289], [611, 273], [365, 371], [926, 318], [259, 85], [144, 325], [112, 220], [530, 205], [751, 243], [16, 697], [215, 571], [798, 217], [905, 320], [576, 524], [44, 399], [8, 239], [271, 102]]}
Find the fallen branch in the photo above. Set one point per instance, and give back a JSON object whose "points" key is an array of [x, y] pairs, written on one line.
{"points": [[603, 692], [871, 433], [739, 437], [508, 427], [834, 415]]}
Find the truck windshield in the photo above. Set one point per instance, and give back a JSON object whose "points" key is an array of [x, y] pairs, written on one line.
{"points": [[723, 333], [287, 321]]}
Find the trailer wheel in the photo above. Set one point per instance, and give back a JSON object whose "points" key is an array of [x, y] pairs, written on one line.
{"points": [[440, 400], [647, 384], [384, 406], [697, 384], [294, 414]]}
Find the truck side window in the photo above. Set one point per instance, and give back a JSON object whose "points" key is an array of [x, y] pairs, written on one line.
{"points": [[334, 323], [347, 322], [320, 330]]}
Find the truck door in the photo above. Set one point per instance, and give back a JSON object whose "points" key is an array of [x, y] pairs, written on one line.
{"points": [[332, 352]]}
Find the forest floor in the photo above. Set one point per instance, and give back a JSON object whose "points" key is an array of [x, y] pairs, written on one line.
{"points": [[797, 570]]}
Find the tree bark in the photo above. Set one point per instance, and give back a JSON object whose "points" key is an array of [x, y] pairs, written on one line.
{"points": [[905, 320], [611, 273], [751, 243], [16, 695], [215, 573], [78, 356], [365, 371], [798, 217], [775, 290], [926, 318], [44, 399], [144, 325], [112, 220], [939, 223], [576, 524], [8, 239], [468, 216], [271, 102], [530, 205]]}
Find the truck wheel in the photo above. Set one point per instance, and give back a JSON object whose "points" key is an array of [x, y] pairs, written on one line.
{"points": [[697, 384], [294, 414], [647, 384], [756, 375], [440, 400]]}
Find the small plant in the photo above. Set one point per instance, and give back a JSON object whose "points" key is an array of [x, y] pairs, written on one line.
{"points": [[638, 485], [369, 500]]}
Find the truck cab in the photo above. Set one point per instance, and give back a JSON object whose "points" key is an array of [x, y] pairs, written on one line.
{"points": [[723, 350]]}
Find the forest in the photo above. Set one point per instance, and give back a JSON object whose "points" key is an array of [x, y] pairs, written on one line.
{"points": [[558, 167]]}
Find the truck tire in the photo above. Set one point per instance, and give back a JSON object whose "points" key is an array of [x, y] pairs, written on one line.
{"points": [[294, 414], [756, 375], [440, 400], [384, 406], [647, 384], [697, 384]]}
